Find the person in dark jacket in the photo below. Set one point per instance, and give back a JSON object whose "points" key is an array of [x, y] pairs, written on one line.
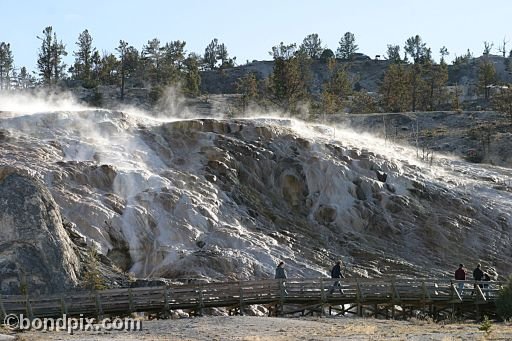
{"points": [[460, 275], [478, 274], [280, 271], [281, 274], [336, 273]]}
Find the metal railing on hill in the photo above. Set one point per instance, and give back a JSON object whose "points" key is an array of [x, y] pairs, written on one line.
{"points": [[299, 294]]}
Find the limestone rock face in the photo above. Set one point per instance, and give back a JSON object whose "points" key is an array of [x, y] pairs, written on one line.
{"points": [[227, 199], [36, 255]]}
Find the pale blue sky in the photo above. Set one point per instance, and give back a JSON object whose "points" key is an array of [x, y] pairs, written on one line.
{"points": [[250, 28]]}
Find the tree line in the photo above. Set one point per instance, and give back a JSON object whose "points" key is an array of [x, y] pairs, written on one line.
{"points": [[412, 80]]}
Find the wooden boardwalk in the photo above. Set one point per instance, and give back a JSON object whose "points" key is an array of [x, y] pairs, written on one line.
{"points": [[394, 298]]}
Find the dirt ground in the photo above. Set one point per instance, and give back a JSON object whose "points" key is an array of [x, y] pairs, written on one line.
{"points": [[251, 328]]}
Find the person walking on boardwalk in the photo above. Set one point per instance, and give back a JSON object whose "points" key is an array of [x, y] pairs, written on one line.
{"points": [[336, 273], [280, 271], [460, 275], [478, 274], [281, 275]]}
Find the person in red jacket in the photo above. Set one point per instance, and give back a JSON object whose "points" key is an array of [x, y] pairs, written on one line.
{"points": [[460, 275]]}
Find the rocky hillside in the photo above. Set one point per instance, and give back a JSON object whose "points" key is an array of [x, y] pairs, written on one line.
{"points": [[365, 74], [217, 199], [477, 136]]}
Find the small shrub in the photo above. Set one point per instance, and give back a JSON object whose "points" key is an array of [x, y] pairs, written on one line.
{"points": [[486, 325], [96, 99], [90, 84], [92, 278], [504, 301]]}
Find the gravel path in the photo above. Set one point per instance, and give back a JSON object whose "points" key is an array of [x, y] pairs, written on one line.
{"points": [[249, 328]]}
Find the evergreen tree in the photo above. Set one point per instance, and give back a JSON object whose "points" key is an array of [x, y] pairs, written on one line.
{"points": [[283, 51], [152, 55], [434, 77], [247, 86], [420, 54], [347, 47], [312, 46], [222, 55], [288, 81], [25, 80], [122, 49], [502, 101], [174, 53], [210, 54], [336, 89], [443, 51], [327, 55], [84, 56], [417, 49], [108, 66], [486, 77], [6, 65], [393, 54], [394, 89], [362, 103], [50, 64], [192, 76]]}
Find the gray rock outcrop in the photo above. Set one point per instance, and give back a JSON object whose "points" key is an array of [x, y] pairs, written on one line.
{"points": [[36, 255]]}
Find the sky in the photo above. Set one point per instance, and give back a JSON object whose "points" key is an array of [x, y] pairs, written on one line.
{"points": [[249, 29]]}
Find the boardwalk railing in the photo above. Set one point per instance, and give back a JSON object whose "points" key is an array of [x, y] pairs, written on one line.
{"points": [[237, 295]]}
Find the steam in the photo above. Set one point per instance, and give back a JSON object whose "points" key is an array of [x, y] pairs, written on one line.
{"points": [[35, 101]]}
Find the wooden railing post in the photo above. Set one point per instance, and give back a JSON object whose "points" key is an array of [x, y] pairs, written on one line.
{"points": [[323, 293], [167, 292], [63, 305], [201, 303], [28, 307], [99, 308], [395, 295], [426, 294], [241, 298], [130, 300], [359, 298], [4, 313]]}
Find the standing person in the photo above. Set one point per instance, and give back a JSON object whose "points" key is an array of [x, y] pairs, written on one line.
{"points": [[336, 273], [281, 275], [486, 278], [280, 271], [460, 275], [478, 274]]}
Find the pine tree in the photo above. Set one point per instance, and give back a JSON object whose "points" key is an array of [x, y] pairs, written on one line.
{"points": [[486, 77], [336, 90], [192, 76], [210, 54], [247, 86], [420, 54], [312, 46], [394, 89], [25, 80], [152, 54], [108, 67], [84, 56], [288, 83], [122, 49], [222, 55], [347, 47], [6, 65], [502, 101], [50, 63], [393, 54]]}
